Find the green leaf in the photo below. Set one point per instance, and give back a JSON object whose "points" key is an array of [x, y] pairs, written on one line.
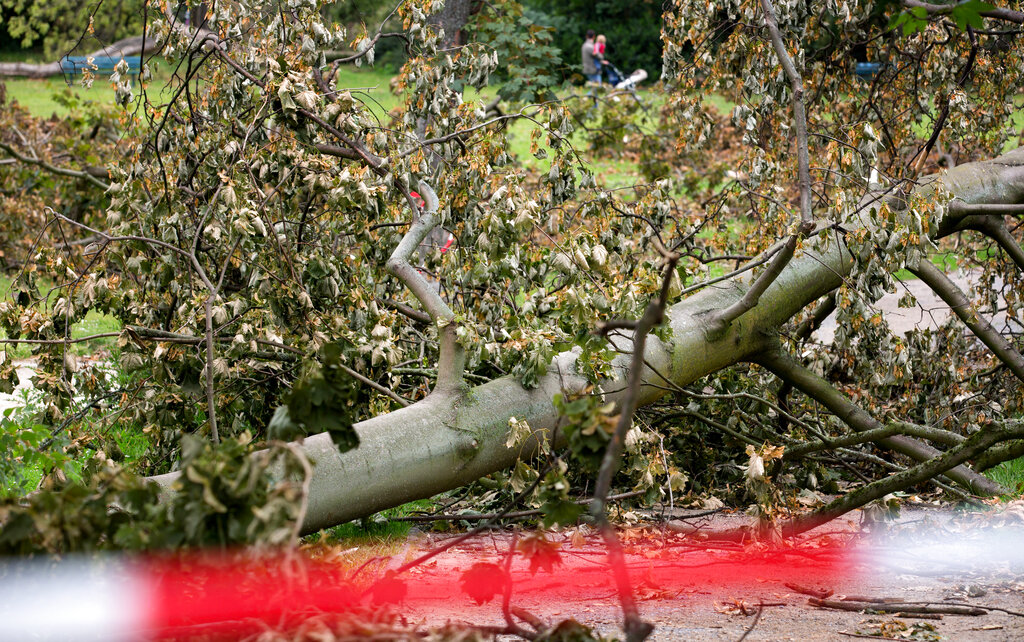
{"points": [[560, 512], [327, 400], [18, 527], [968, 14], [909, 22]]}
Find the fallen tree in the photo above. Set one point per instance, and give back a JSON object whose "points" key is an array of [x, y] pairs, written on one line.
{"points": [[458, 434], [264, 248]]}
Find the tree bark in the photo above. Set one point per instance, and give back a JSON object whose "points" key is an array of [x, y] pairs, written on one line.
{"points": [[452, 437], [452, 18]]}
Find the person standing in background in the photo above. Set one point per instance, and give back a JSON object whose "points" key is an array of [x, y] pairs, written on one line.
{"points": [[590, 69]]}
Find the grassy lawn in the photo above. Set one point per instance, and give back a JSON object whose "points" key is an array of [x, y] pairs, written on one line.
{"points": [[39, 96], [1009, 474], [371, 86], [379, 528], [93, 323]]}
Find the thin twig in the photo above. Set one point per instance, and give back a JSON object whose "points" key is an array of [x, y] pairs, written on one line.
{"points": [[511, 515], [757, 618], [53, 169], [799, 114]]}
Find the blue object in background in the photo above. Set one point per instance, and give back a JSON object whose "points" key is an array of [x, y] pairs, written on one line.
{"points": [[867, 70]]}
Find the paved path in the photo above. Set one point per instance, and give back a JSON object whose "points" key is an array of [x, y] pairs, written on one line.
{"points": [[930, 312], [26, 370]]}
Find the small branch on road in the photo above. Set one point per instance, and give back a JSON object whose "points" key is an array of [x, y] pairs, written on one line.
{"points": [[897, 607], [757, 618]]}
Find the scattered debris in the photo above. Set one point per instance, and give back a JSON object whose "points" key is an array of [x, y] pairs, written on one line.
{"points": [[821, 594], [896, 630]]}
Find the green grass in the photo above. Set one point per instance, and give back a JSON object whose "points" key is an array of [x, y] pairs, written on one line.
{"points": [[21, 55], [94, 323], [1010, 474], [131, 441], [370, 86], [379, 527], [38, 96]]}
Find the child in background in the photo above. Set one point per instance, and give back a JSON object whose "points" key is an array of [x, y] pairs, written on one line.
{"points": [[599, 49]]}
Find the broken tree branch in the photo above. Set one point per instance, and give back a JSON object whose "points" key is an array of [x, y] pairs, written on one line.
{"points": [[786, 368], [721, 320], [1008, 15], [961, 306], [875, 434], [972, 446], [995, 228], [53, 169], [451, 362]]}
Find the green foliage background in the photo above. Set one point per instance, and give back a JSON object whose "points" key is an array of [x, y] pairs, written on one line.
{"points": [[633, 28], [61, 26]]}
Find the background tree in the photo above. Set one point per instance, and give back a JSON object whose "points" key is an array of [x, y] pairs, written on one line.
{"points": [[59, 28]]}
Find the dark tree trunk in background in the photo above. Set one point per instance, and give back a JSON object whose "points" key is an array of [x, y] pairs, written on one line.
{"points": [[452, 19]]}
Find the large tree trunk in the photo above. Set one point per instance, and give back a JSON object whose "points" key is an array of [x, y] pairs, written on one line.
{"points": [[453, 437], [452, 18]]}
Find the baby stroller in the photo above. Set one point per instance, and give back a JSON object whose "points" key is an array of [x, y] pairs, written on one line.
{"points": [[612, 74], [619, 81]]}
